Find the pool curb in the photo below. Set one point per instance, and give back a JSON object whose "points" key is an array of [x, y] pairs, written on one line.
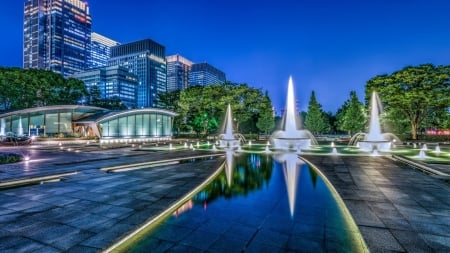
{"points": [[346, 213]]}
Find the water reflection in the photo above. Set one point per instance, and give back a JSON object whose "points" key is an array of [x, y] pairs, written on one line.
{"points": [[291, 170], [247, 204], [243, 174], [229, 166]]}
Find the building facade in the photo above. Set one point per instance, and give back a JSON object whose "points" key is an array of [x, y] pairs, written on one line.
{"points": [[100, 50], [146, 59], [205, 74], [112, 81], [178, 69], [88, 121], [57, 35]]}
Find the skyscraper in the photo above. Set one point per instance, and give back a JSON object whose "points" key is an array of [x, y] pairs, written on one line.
{"points": [[112, 81], [205, 74], [178, 69], [147, 60], [100, 50], [56, 35]]}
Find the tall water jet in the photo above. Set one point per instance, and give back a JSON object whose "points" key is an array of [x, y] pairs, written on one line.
{"points": [[291, 137], [227, 139], [2, 127], [20, 128], [374, 139]]}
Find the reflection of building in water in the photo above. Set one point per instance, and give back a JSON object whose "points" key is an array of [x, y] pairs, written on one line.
{"points": [[186, 207], [291, 170]]}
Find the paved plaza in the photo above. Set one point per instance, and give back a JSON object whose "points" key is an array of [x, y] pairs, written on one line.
{"points": [[86, 209]]}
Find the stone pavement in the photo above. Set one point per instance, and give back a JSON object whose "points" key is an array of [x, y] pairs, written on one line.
{"points": [[397, 208], [89, 211]]}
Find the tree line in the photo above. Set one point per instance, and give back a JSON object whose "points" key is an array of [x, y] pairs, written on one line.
{"points": [[25, 88], [414, 98]]}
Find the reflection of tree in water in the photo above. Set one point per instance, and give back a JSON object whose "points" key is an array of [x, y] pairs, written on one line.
{"points": [[313, 174], [250, 173]]}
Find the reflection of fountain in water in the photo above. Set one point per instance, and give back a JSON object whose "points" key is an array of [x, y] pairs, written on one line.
{"points": [[227, 139], [290, 137], [291, 171], [229, 166], [374, 139]]}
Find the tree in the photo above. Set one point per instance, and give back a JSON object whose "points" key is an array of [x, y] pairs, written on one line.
{"points": [[24, 88], [351, 116], [199, 105], [315, 120], [266, 122], [414, 91]]}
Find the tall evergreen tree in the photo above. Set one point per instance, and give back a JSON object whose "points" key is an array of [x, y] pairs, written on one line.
{"points": [[315, 119], [351, 116]]}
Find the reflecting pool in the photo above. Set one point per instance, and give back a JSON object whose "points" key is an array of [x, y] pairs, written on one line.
{"points": [[259, 203]]}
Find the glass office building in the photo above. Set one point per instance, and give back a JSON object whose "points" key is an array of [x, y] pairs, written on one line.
{"points": [[147, 60], [88, 121], [112, 81], [205, 74], [57, 35], [178, 69], [100, 50]]}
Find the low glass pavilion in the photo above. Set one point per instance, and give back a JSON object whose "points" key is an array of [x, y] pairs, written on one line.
{"points": [[88, 121]]}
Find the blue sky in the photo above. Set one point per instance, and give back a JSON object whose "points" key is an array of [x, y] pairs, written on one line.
{"points": [[331, 47]]}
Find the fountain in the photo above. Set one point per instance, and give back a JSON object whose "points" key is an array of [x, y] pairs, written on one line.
{"points": [[198, 144], [2, 127], [185, 145], [374, 139], [249, 143], [227, 139], [191, 146], [290, 136], [20, 128], [291, 173], [332, 144], [422, 154], [170, 146], [267, 150], [424, 147], [414, 145], [334, 151], [437, 149], [214, 148]]}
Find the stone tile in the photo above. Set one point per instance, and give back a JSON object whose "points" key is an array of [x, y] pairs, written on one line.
{"points": [[380, 239], [411, 241], [362, 214], [437, 242], [272, 238]]}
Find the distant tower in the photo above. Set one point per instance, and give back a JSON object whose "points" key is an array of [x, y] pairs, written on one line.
{"points": [[147, 60], [205, 74], [178, 69], [100, 50], [112, 81], [56, 35]]}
